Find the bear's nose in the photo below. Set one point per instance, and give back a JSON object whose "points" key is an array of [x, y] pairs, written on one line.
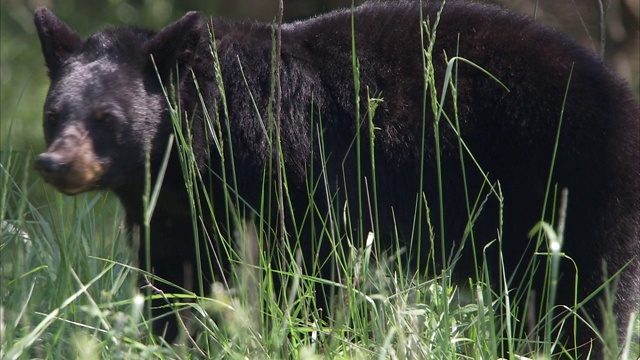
{"points": [[51, 164]]}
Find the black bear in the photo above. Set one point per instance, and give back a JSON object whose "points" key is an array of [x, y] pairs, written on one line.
{"points": [[532, 113]]}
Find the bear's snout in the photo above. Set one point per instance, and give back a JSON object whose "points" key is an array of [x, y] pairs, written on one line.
{"points": [[51, 164], [70, 170]]}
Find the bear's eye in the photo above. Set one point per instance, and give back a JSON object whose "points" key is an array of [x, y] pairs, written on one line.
{"points": [[52, 119], [101, 115], [104, 117]]}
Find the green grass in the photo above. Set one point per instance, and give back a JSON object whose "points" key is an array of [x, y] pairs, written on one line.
{"points": [[68, 289], [68, 292]]}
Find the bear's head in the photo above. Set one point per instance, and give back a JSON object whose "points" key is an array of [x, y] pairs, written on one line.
{"points": [[106, 111]]}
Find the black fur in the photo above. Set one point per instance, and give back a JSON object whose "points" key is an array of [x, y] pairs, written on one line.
{"points": [[105, 92]]}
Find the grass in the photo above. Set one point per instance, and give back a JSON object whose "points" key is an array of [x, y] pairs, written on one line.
{"points": [[69, 291]]}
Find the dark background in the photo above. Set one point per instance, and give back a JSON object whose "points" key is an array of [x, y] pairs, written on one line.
{"points": [[23, 75]]}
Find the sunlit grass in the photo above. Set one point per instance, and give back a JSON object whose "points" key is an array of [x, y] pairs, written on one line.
{"points": [[69, 291]]}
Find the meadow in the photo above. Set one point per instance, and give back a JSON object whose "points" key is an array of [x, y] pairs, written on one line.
{"points": [[69, 283]]}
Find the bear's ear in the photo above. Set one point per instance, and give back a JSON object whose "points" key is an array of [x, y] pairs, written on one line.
{"points": [[174, 47], [57, 39]]}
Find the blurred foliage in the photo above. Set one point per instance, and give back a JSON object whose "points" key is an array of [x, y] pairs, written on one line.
{"points": [[23, 80]]}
